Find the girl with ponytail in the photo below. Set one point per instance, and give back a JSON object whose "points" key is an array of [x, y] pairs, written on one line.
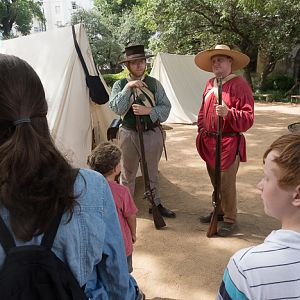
{"points": [[37, 184]]}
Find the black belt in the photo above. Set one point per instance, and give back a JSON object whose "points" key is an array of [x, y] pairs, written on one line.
{"points": [[213, 133], [145, 126]]}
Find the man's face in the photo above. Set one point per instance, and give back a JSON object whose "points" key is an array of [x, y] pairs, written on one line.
{"points": [[221, 65], [136, 67], [277, 201]]}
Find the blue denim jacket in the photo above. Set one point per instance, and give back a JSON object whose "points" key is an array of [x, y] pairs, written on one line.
{"points": [[91, 244]]}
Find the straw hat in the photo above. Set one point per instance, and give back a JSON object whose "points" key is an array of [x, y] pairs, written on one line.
{"points": [[134, 53], [203, 59]]}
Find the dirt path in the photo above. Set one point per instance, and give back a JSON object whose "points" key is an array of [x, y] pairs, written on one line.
{"points": [[179, 262]]}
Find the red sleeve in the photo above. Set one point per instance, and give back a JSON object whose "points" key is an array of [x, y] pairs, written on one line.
{"points": [[200, 118], [241, 116], [208, 86]]}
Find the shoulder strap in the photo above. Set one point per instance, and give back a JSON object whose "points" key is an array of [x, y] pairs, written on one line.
{"points": [[214, 89], [6, 239], [79, 52], [49, 235]]}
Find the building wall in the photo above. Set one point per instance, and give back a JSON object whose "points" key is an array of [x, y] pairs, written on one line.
{"points": [[58, 13], [290, 65]]}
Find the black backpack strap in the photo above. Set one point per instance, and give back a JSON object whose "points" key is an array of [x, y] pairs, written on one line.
{"points": [[6, 239], [79, 53], [49, 235]]}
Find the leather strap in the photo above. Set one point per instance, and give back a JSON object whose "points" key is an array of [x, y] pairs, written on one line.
{"points": [[6, 239], [214, 89]]}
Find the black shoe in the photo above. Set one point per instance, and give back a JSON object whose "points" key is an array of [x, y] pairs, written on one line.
{"points": [[165, 212], [227, 229], [206, 218]]}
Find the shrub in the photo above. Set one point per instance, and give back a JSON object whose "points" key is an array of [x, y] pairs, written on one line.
{"points": [[277, 96], [110, 79], [279, 82]]}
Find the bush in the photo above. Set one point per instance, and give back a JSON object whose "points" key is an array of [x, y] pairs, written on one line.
{"points": [[276, 96], [279, 82], [110, 79]]}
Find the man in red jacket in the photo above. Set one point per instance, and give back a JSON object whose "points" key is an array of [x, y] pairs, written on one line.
{"points": [[237, 111]]}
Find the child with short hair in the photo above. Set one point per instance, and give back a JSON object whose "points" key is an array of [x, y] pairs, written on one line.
{"points": [[106, 159], [271, 270]]}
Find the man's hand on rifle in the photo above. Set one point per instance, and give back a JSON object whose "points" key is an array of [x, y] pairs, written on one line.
{"points": [[136, 84], [141, 110], [222, 110]]}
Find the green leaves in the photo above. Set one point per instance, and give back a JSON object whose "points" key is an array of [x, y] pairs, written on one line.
{"points": [[19, 13], [123, 24], [271, 27]]}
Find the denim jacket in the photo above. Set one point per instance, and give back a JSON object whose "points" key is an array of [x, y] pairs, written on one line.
{"points": [[91, 244]]}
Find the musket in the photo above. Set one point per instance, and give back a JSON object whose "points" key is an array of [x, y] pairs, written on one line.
{"points": [[213, 225], [148, 194]]}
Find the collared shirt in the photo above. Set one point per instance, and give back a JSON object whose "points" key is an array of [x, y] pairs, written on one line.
{"points": [[267, 271], [91, 244], [120, 100]]}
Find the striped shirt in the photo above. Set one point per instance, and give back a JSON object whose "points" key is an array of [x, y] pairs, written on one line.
{"points": [[268, 271], [120, 100]]}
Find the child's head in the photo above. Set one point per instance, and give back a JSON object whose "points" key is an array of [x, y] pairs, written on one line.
{"points": [[280, 185], [105, 158]]}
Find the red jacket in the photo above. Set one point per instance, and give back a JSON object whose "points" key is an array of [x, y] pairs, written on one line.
{"points": [[237, 95]]}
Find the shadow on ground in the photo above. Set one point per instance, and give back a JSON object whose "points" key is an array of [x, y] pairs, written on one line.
{"points": [[180, 262]]}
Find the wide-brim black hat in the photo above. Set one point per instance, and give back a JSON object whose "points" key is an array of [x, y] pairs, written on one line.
{"points": [[134, 53]]}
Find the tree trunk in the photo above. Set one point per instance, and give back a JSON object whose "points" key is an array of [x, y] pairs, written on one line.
{"points": [[268, 68], [265, 66], [247, 76], [6, 25]]}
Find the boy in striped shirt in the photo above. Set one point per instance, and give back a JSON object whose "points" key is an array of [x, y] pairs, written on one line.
{"points": [[271, 270]]}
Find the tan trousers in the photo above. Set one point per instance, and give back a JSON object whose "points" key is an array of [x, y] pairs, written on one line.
{"points": [[130, 146], [228, 190]]}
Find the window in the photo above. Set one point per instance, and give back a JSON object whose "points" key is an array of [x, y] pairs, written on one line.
{"points": [[74, 5]]}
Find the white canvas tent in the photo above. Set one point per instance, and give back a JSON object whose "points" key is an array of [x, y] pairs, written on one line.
{"points": [[183, 82], [72, 116]]}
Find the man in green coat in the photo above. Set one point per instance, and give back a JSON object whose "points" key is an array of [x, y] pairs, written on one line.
{"points": [[153, 109]]}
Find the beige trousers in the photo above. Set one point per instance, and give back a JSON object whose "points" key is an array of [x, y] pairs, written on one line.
{"points": [[130, 146], [228, 190]]}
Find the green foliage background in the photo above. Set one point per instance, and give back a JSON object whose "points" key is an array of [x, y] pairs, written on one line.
{"points": [[264, 29]]}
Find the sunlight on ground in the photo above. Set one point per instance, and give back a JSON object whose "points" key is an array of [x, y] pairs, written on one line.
{"points": [[180, 262]]}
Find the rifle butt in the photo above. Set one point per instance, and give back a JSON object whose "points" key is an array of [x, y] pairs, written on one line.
{"points": [[157, 217], [213, 225]]}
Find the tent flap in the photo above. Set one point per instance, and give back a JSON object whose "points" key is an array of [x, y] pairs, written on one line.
{"points": [[183, 82], [71, 115]]}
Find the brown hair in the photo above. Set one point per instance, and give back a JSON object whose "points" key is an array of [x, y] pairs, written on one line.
{"points": [[36, 181], [288, 159], [104, 158]]}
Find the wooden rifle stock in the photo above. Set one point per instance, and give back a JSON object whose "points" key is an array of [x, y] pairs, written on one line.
{"points": [[148, 194], [213, 225]]}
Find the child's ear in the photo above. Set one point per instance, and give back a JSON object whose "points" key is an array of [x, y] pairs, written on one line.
{"points": [[296, 196]]}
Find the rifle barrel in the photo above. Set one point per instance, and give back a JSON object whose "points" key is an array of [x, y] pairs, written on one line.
{"points": [[157, 217], [213, 225]]}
